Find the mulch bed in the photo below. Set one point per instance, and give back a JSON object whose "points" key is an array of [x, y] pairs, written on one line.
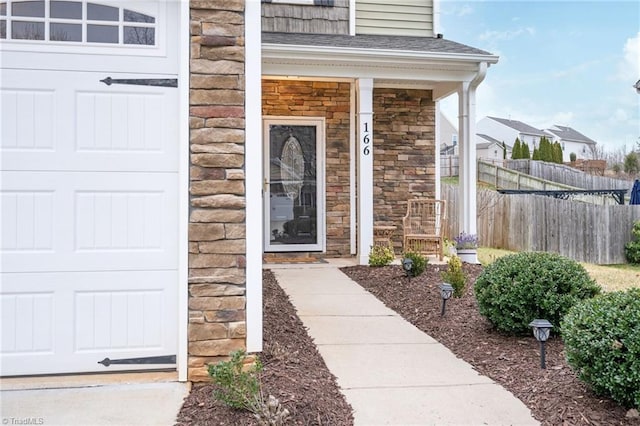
{"points": [[294, 372], [554, 395]]}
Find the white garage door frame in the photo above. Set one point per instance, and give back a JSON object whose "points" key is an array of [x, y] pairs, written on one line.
{"points": [[22, 54]]}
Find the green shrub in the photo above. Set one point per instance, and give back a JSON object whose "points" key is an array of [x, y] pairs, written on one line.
{"points": [[419, 262], [632, 248], [602, 343], [455, 276], [518, 288], [237, 386], [381, 256]]}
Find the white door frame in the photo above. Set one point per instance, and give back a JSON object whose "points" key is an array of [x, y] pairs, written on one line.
{"points": [[319, 123]]}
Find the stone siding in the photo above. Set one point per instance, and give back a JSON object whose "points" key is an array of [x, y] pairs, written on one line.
{"points": [[332, 101], [217, 279], [404, 153]]}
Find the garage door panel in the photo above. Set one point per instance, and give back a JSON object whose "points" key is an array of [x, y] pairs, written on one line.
{"points": [[27, 322], [115, 315], [113, 128], [27, 120], [101, 221]]}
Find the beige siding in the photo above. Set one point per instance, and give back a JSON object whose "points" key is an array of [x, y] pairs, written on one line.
{"points": [[401, 17], [292, 18]]}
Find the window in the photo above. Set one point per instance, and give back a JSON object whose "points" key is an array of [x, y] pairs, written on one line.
{"points": [[75, 21], [454, 140]]}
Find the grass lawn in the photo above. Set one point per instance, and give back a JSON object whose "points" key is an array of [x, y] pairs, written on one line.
{"points": [[610, 277]]}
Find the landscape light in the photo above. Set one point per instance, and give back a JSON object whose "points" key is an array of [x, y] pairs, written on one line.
{"points": [[541, 330], [446, 290], [407, 265]]}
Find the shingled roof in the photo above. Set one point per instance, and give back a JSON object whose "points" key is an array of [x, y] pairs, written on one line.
{"points": [[365, 41], [519, 126], [569, 134]]}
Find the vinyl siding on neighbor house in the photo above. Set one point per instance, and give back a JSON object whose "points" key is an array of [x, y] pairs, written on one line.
{"points": [[401, 17]]}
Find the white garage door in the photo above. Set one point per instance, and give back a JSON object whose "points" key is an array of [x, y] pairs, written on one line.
{"points": [[89, 186]]}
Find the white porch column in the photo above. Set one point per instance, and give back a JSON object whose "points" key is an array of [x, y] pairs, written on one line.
{"points": [[467, 153], [253, 175], [467, 219], [365, 169]]}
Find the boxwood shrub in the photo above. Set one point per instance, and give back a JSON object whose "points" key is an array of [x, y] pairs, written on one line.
{"points": [[602, 343], [516, 289]]}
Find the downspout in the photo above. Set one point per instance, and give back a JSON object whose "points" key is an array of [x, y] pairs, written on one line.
{"points": [[467, 219]]}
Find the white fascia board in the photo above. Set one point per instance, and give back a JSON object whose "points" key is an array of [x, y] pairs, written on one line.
{"points": [[270, 50], [302, 68], [289, 60]]}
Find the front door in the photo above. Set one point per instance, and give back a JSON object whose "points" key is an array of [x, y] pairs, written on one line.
{"points": [[294, 184]]}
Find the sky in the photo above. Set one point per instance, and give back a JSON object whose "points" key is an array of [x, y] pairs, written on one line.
{"points": [[570, 63]]}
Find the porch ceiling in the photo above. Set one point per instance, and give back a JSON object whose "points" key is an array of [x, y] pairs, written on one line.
{"points": [[392, 61]]}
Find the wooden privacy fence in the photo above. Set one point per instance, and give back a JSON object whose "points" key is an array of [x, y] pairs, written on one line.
{"points": [[449, 165], [567, 175], [504, 178], [581, 231]]}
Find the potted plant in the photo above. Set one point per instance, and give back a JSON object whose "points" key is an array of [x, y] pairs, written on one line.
{"points": [[467, 247]]}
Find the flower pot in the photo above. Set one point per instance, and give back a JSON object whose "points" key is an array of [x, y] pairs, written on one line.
{"points": [[468, 255]]}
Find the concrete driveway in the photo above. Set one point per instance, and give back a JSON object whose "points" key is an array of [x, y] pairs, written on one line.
{"points": [[114, 399]]}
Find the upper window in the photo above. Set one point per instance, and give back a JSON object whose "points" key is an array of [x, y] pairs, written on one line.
{"points": [[75, 21]]}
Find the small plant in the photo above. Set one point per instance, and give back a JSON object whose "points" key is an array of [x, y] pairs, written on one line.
{"points": [[466, 241], [455, 276], [381, 256], [632, 248], [602, 344], [419, 262], [449, 247], [271, 412], [236, 386], [573, 157], [518, 288]]}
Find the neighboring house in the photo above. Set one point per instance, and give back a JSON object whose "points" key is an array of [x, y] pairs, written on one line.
{"points": [[153, 151], [506, 130], [571, 141], [447, 136], [488, 148]]}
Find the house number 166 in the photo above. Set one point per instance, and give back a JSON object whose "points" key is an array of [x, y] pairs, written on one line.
{"points": [[366, 140]]}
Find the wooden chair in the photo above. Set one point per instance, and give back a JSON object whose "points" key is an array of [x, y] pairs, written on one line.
{"points": [[424, 226]]}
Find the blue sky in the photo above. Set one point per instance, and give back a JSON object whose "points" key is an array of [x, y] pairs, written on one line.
{"points": [[570, 63]]}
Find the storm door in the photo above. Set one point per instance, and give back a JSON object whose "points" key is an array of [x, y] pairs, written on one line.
{"points": [[294, 184]]}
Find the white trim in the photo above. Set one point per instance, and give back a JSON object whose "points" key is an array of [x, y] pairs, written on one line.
{"points": [[437, 150], [436, 17], [353, 150], [365, 169], [253, 173], [400, 57], [352, 18], [321, 226], [183, 194]]}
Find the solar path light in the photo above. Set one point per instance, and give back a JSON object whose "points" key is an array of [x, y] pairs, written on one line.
{"points": [[446, 290], [541, 330]]}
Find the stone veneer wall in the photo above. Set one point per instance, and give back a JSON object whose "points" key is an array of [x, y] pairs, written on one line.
{"points": [[404, 153], [332, 101], [217, 279]]}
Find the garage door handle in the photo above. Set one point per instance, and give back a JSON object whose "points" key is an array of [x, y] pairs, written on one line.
{"points": [[161, 82]]}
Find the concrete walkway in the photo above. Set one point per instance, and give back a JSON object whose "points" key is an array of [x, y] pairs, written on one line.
{"points": [[391, 372]]}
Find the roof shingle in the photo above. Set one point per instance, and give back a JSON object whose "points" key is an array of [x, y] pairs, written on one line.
{"points": [[366, 41]]}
